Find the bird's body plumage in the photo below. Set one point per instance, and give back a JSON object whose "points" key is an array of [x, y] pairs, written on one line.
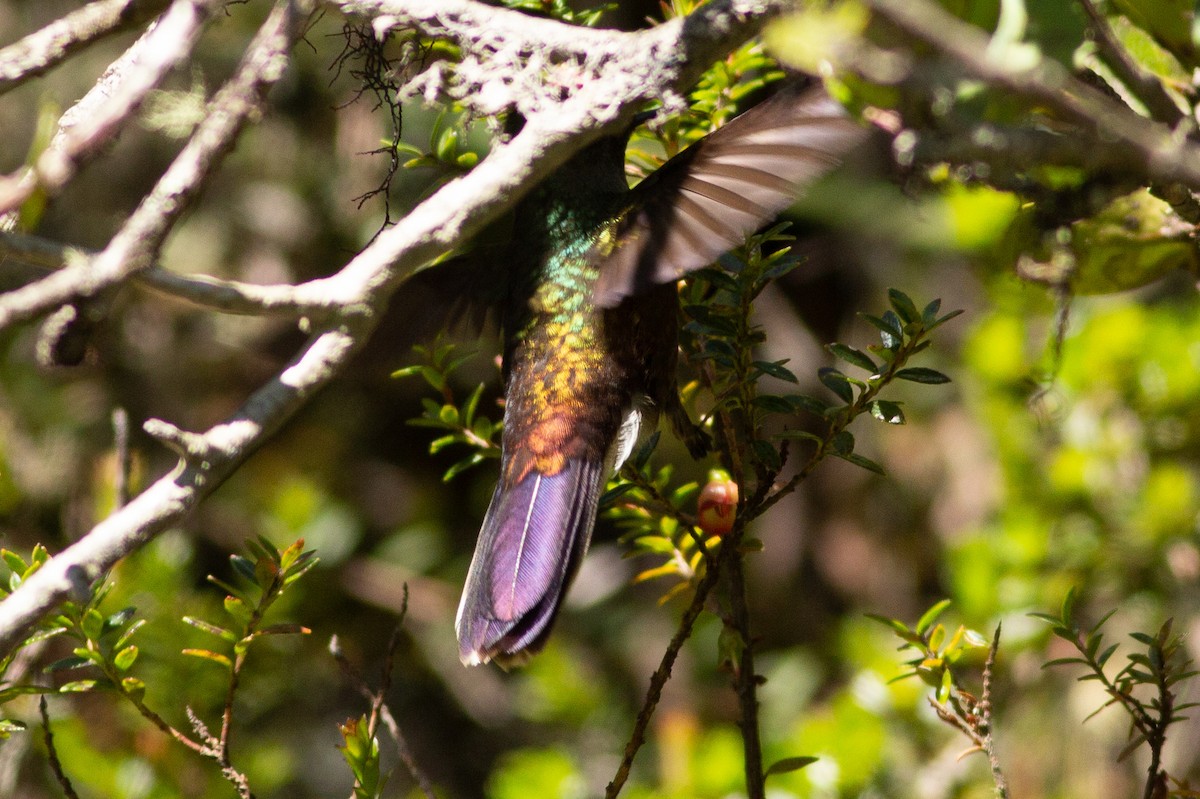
{"points": [[590, 322]]}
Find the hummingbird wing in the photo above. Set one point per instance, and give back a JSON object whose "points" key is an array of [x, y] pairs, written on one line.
{"points": [[707, 199], [461, 291], [534, 535]]}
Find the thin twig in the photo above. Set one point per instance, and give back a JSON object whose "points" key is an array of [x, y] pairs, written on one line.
{"points": [[745, 681], [34, 254], [124, 464], [379, 708], [56, 768], [662, 675], [985, 712], [1147, 87]]}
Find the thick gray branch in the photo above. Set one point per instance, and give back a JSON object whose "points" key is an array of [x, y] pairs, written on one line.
{"points": [[112, 102], [136, 244], [43, 49]]}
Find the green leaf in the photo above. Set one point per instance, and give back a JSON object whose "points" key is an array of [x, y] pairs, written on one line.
{"points": [[206, 654], [766, 454], [930, 616], [124, 659], [92, 624], [1046, 617], [889, 328], [802, 435], [776, 369], [1072, 661], [836, 382], [719, 346], [42, 635], [77, 687], [244, 568], [919, 374], [211, 629], [852, 356], [9, 726], [7, 693], [438, 444], [773, 404], [787, 764], [407, 371], [937, 638], [803, 402], [227, 588], [73, 662], [237, 609], [454, 471], [896, 625], [134, 687], [284, 629], [128, 634], [905, 308], [118, 620], [862, 462], [13, 561], [946, 687], [974, 639], [886, 411], [938, 323], [471, 404], [447, 144], [781, 267]]}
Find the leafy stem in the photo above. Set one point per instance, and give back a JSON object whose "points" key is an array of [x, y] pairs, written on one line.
{"points": [[1159, 668], [904, 332]]}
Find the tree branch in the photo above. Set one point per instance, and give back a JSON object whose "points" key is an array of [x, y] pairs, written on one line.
{"points": [[111, 103], [34, 254], [58, 41], [136, 244]]}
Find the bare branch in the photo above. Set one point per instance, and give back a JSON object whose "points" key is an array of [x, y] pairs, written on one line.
{"points": [[111, 103], [512, 60], [135, 246], [60, 776], [34, 254], [225, 446], [43, 49]]}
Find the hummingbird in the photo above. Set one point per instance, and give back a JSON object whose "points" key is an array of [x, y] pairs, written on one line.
{"points": [[589, 315]]}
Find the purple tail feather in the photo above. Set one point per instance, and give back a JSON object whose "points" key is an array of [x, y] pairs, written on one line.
{"points": [[533, 538]]}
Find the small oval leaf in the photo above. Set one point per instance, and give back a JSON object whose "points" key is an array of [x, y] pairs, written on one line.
{"points": [[920, 374], [789, 764]]}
